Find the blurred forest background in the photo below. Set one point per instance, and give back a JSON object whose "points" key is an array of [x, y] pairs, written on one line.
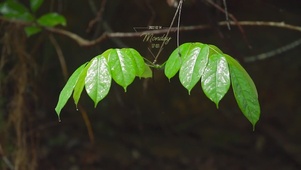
{"points": [[155, 124]]}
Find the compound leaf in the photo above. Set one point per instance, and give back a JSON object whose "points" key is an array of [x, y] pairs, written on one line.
{"points": [[216, 78], [51, 19], [68, 89], [98, 79], [195, 58], [244, 91]]}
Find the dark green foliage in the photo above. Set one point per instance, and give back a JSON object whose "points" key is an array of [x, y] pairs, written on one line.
{"points": [[14, 10]]}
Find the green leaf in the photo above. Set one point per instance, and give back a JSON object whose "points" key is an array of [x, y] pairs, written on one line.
{"points": [[214, 50], [51, 20], [138, 62], [216, 78], [68, 89], [147, 72], [122, 66], [98, 79], [80, 84], [173, 63], [31, 30], [35, 4], [195, 58], [244, 91], [15, 10]]}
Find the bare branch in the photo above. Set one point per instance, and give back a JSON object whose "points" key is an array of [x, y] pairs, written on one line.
{"points": [[86, 43], [273, 52]]}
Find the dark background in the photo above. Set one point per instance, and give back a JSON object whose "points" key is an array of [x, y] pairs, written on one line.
{"points": [[156, 124]]}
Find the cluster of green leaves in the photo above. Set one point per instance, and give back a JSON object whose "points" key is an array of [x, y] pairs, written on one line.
{"points": [[217, 71], [121, 65], [194, 61], [12, 9]]}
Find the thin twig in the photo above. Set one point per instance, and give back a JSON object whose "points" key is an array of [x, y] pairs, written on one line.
{"points": [[168, 31], [226, 14], [98, 16], [237, 23], [60, 56], [87, 123], [87, 43], [179, 21]]}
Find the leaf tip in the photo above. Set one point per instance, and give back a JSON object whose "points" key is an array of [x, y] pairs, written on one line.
{"points": [[189, 92], [253, 127], [95, 104], [58, 111], [216, 105]]}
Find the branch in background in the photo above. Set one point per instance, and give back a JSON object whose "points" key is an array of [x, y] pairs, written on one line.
{"points": [[228, 21], [85, 43], [273, 52], [98, 14]]}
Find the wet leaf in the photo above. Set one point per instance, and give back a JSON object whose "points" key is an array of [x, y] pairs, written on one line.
{"points": [[173, 63], [68, 89], [80, 84], [216, 78], [195, 58], [98, 79], [121, 66], [138, 62]]}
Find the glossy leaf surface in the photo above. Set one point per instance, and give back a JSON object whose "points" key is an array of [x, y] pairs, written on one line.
{"points": [[51, 20], [68, 89], [244, 91], [80, 84], [216, 78], [195, 58], [138, 62], [194, 61], [121, 66], [173, 63], [98, 79]]}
